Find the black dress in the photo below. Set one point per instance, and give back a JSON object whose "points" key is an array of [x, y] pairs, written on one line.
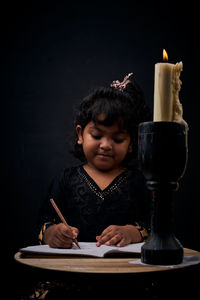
{"points": [[85, 206]]}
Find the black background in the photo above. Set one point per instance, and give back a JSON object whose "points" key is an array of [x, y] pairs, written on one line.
{"points": [[52, 55]]}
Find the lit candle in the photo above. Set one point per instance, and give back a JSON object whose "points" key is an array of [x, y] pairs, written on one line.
{"points": [[167, 85]]}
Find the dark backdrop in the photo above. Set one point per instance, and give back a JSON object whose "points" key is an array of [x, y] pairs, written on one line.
{"points": [[52, 55]]}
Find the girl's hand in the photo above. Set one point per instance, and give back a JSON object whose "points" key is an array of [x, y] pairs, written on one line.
{"points": [[60, 236], [119, 236]]}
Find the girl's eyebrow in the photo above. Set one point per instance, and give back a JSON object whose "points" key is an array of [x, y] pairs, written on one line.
{"points": [[117, 132], [95, 127]]}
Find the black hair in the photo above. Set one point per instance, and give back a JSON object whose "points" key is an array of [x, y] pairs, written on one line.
{"points": [[127, 107]]}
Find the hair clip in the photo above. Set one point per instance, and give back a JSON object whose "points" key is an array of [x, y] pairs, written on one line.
{"points": [[121, 85]]}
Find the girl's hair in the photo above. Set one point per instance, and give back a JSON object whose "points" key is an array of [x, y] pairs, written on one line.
{"points": [[126, 107]]}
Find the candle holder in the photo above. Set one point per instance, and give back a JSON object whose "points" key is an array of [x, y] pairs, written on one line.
{"points": [[162, 153]]}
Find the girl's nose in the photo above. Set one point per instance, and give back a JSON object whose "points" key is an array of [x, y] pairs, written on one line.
{"points": [[105, 144]]}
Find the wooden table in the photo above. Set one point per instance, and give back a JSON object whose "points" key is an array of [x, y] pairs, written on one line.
{"points": [[94, 278], [82, 264]]}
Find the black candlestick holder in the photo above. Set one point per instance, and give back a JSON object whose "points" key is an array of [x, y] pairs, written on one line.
{"points": [[162, 153]]}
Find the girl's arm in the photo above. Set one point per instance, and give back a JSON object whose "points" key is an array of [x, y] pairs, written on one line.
{"points": [[48, 217]]}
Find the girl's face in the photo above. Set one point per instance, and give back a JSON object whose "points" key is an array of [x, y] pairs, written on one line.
{"points": [[105, 147]]}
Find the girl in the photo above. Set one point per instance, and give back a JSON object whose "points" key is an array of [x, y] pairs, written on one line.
{"points": [[104, 198]]}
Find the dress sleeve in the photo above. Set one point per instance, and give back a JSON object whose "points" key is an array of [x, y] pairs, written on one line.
{"points": [[143, 231]]}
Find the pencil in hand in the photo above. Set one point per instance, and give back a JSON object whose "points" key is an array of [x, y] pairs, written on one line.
{"points": [[62, 218]]}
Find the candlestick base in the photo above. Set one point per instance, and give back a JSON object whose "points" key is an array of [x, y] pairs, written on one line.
{"points": [[162, 251]]}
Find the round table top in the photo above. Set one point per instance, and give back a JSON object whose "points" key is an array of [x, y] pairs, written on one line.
{"points": [[83, 264]]}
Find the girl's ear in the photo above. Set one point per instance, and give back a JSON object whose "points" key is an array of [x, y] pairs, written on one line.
{"points": [[79, 134]]}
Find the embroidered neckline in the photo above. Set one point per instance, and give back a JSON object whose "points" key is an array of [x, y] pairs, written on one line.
{"points": [[113, 186]]}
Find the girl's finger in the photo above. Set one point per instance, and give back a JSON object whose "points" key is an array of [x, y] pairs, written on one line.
{"points": [[105, 236], [106, 231], [75, 233], [122, 243], [67, 232], [115, 239], [63, 242]]}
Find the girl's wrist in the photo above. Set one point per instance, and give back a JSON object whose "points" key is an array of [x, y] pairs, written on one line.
{"points": [[48, 233]]}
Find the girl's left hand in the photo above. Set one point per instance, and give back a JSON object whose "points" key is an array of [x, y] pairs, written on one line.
{"points": [[119, 236]]}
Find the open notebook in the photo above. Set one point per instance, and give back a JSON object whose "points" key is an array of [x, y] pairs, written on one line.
{"points": [[86, 249]]}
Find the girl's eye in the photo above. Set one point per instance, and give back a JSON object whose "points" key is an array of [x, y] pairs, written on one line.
{"points": [[96, 137], [118, 141]]}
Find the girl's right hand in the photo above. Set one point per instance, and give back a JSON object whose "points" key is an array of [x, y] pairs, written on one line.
{"points": [[60, 236]]}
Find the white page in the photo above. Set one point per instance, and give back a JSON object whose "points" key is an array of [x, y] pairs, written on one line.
{"points": [[86, 249]]}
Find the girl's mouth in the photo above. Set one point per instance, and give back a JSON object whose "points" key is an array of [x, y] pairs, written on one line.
{"points": [[104, 155]]}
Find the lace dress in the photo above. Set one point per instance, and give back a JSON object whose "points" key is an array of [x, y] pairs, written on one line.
{"points": [[85, 206]]}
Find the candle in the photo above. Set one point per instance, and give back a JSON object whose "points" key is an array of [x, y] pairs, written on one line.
{"points": [[167, 84]]}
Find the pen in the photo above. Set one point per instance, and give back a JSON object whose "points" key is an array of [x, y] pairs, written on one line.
{"points": [[62, 218]]}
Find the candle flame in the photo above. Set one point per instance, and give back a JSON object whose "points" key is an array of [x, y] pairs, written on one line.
{"points": [[165, 55]]}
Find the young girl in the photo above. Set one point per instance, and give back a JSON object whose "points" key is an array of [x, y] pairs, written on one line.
{"points": [[104, 199]]}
